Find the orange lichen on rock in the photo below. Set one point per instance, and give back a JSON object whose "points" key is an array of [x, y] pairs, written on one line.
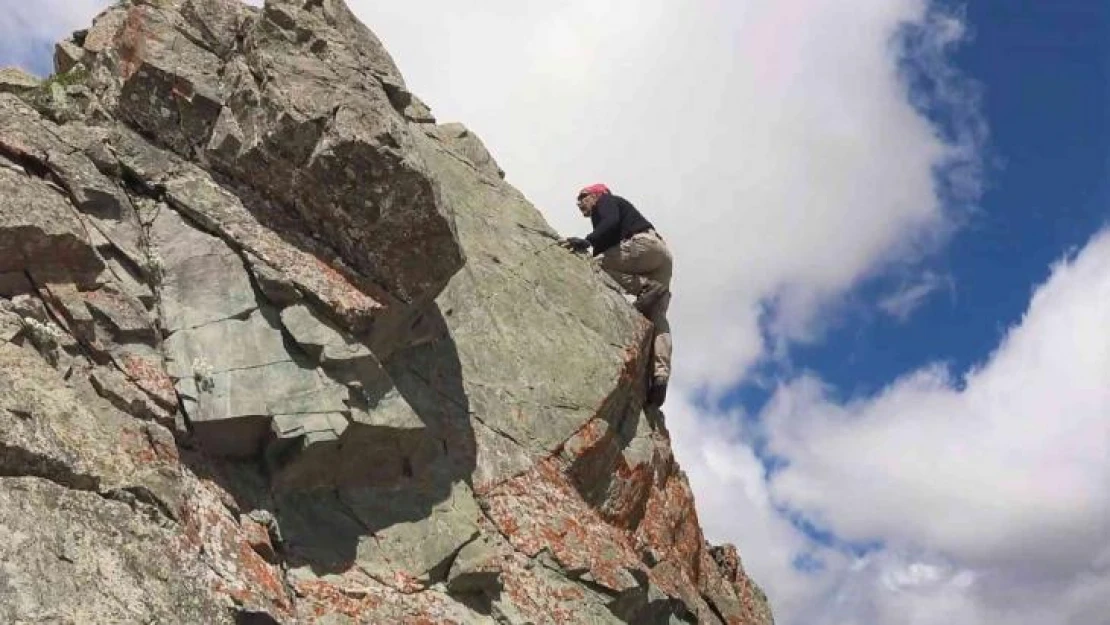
{"points": [[151, 377], [540, 511], [130, 42], [240, 572]]}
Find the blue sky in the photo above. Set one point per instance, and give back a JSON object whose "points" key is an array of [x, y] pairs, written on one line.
{"points": [[36, 57], [1043, 69], [925, 372]]}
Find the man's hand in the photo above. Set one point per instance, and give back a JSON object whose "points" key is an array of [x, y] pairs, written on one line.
{"points": [[575, 244]]}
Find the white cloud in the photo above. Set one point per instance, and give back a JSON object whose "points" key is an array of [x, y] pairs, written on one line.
{"points": [[735, 504], [1003, 474], [772, 142], [1029, 429], [909, 296]]}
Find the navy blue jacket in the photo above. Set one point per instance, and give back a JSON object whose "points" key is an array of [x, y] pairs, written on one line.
{"points": [[615, 219]]}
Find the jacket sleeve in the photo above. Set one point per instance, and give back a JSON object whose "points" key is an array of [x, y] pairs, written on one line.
{"points": [[608, 223]]}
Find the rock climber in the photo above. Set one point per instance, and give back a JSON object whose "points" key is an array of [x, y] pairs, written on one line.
{"points": [[634, 254]]}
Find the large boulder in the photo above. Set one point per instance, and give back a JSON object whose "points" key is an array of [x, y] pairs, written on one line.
{"points": [[298, 102], [275, 346]]}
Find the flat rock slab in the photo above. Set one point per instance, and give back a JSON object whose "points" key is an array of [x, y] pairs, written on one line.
{"points": [[543, 345], [15, 80], [322, 341], [203, 279], [75, 557], [234, 375], [41, 234]]}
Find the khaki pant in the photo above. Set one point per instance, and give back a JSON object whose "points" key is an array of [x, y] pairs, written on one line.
{"points": [[634, 264]]}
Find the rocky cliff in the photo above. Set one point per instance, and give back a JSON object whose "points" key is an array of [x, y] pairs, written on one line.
{"points": [[275, 346]]}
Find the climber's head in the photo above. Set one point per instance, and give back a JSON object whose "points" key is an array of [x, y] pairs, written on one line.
{"points": [[587, 197]]}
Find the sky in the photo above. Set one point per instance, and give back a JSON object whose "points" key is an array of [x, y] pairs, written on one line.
{"points": [[892, 286]]}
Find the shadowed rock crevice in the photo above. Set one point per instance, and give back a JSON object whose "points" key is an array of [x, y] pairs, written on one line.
{"points": [[18, 462], [378, 501]]}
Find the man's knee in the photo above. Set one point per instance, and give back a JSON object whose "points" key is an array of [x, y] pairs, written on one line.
{"points": [[649, 298]]}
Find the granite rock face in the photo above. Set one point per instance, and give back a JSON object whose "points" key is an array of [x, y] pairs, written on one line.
{"points": [[275, 346], [15, 80]]}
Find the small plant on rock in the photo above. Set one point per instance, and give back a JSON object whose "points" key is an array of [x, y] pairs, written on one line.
{"points": [[44, 335], [202, 373], [155, 267]]}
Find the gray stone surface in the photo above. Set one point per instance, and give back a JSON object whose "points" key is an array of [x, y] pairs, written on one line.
{"points": [[233, 375], [388, 446], [92, 560], [128, 278], [466, 144], [294, 118], [43, 145], [274, 347], [41, 234], [11, 325], [397, 537], [122, 314], [67, 55], [203, 279], [292, 261], [69, 434], [275, 286], [477, 569], [414, 540], [15, 80], [535, 388], [324, 343], [125, 395]]}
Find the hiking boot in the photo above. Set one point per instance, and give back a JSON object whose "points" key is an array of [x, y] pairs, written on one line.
{"points": [[657, 394], [648, 297]]}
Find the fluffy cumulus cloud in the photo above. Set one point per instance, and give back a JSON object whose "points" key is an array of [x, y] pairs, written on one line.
{"points": [[790, 150], [774, 143], [990, 488], [977, 497]]}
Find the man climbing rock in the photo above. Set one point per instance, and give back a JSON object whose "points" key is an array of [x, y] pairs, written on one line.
{"points": [[635, 255]]}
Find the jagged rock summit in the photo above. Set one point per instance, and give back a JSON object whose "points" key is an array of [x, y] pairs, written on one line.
{"points": [[276, 347]]}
